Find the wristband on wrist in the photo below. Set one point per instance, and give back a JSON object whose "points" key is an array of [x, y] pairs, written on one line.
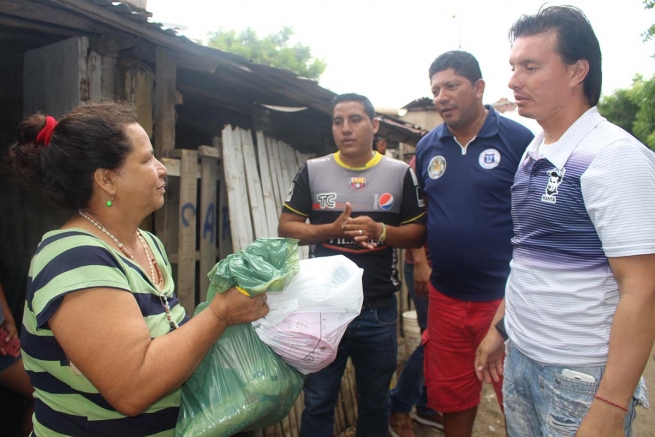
{"points": [[383, 235], [607, 401], [500, 327]]}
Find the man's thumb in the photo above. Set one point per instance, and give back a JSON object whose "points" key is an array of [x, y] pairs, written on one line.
{"points": [[346, 212]]}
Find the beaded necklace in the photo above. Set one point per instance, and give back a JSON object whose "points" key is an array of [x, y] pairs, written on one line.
{"points": [[155, 272]]}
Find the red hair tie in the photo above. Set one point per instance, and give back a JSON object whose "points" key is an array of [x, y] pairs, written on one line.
{"points": [[46, 133]]}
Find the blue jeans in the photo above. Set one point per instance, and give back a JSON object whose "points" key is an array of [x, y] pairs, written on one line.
{"points": [[370, 340], [410, 389], [540, 401]]}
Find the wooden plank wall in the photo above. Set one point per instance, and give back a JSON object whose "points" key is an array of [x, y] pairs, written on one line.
{"points": [[266, 168]]}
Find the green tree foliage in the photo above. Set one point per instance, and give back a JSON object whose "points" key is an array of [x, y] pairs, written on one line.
{"points": [[621, 108], [644, 125], [650, 32], [633, 109], [273, 50]]}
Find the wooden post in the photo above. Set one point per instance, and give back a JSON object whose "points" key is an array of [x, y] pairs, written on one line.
{"points": [[108, 77], [286, 178], [208, 214], [186, 251], [166, 77], [346, 391], [253, 182], [279, 185], [235, 183], [286, 431], [223, 214], [272, 213], [94, 75], [294, 423], [350, 374]]}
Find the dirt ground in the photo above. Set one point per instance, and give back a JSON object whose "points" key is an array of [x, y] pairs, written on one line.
{"points": [[490, 423]]}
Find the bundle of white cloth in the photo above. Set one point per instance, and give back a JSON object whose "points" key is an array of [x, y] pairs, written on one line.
{"points": [[309, 317]]}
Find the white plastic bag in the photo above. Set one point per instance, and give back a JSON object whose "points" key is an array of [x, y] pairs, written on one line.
{"points": [[308, 318]]}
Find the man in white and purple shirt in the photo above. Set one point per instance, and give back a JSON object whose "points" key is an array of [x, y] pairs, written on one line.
{"points": [[580, 300]]}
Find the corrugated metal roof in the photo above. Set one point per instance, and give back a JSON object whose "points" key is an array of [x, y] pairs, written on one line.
{"points": [[423, 103], [211, 73]]}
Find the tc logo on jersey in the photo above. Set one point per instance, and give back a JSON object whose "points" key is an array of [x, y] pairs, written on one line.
{"points": [[437, 167], [357, 183], [489, 159], [555, 177], [386, 201], [327, 200]]}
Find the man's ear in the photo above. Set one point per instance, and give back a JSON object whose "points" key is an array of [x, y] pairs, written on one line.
{"points": [[479, 88], [579, 71], [104, 179], [376, 125]]}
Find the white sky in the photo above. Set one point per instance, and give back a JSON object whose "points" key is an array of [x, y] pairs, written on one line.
{"points": [[383, 49]]}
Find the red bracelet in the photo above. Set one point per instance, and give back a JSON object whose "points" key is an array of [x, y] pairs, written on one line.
{"points": [[611, 403]]}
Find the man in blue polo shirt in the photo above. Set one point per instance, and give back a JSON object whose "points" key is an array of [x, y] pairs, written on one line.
{"points": [[465, 167]]}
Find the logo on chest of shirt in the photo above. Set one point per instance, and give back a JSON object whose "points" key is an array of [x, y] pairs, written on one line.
{"points": [[327, 200], [489, 159], [383, 201], [357, 182], [437, 167], [555, 177]]}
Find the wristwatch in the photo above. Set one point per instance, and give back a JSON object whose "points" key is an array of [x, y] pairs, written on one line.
{"points": [[500, 327]]}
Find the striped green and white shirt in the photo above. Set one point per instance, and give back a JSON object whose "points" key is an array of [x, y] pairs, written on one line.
{"points": [[66, 403]]}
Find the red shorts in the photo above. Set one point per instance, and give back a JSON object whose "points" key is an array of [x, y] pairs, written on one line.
{"points": [[455, 330]]}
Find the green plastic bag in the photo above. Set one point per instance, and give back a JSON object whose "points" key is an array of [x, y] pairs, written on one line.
{"points": [[241, 384], [268, 264]]}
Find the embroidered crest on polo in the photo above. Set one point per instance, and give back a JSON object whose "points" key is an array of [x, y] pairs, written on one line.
{"points": [[555, 177], [489, 159], [437, 167]]}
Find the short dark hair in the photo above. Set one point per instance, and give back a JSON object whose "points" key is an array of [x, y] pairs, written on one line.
{"points": [[575, 40], [352, 97], [86, 139], [462, 62]]}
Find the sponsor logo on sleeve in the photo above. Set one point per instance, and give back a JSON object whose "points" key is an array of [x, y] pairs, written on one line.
{"points": [[290, 193], [419, 198]]}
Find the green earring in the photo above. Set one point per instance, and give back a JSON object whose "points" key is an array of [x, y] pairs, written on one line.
{"points": [[109, 203]]}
